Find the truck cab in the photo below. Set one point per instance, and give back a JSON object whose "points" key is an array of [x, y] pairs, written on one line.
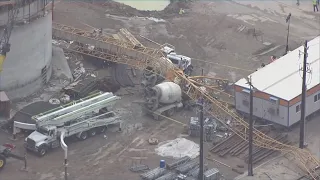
{"points": [[42, 139], [180, 61]]}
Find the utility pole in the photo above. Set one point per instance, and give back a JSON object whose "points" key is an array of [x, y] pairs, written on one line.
{"points": [[52, 7], [201, 137], [303, 96], [250, 166], [288, 31]]}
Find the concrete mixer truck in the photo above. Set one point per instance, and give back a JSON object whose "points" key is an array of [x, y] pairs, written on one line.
{"points": [[163, 99]]}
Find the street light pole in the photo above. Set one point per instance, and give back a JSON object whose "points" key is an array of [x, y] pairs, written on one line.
{"points": [[288, 30]]}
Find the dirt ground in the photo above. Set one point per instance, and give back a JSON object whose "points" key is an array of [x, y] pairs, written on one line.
{"points": [[227, 39]]}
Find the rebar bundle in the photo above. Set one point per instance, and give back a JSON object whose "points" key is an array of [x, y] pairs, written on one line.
{"points": [[153, 174], [184, 168], [178, 162]]}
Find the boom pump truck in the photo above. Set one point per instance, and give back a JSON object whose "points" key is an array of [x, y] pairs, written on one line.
{"points": [[82, 119]]}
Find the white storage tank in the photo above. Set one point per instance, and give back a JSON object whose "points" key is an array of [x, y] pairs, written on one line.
{"points": [[168, 92], [28, 64]]}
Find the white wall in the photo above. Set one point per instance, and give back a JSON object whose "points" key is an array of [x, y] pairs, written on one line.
{"points": [[261, 109], [311, 107], [31, 50]]}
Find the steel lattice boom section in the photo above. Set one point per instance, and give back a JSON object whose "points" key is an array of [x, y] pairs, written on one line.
{"points": [[141, 57]]}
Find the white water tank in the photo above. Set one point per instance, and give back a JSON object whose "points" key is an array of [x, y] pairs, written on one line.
{"points": [[168, 92]]}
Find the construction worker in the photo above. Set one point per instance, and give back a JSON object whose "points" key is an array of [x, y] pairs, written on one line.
{"points": [[315, 5], [181, 11]]}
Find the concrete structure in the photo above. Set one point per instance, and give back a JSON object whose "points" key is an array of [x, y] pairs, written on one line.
{"points": [[279, 85], [28, 64]]}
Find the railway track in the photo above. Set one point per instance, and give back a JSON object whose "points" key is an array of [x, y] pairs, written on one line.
{"points": [[143, 58]]}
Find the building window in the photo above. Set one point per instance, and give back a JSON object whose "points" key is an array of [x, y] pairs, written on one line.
{"points": [[246, 91], [298, 108], [316, 97], [274, 100]]}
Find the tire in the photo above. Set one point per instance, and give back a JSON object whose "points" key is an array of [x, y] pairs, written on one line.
{"points": [[101, 129], [42, 151], [2, 162], [93, 132], [83, 136], [170, 112]]}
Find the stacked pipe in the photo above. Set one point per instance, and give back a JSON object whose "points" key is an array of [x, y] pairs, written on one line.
{"points": [[194, 172], [184, 168], [153, 174], [212, 174], [178, 162], [168, 176]]}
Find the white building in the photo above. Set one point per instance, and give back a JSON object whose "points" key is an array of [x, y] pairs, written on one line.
{"points": [[279, 85]]}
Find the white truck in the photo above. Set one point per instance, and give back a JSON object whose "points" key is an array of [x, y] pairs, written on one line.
{"points": [[163, 99], [82, 119], [180, 61]]}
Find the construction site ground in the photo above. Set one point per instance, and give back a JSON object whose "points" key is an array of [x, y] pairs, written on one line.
{"points": [[226, 39]]}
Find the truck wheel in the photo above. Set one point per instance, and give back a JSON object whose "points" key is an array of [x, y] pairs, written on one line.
{"points": [[42, 151], [2, 162], [170, 112], [102, 129], [83, 136], [93, 132]]}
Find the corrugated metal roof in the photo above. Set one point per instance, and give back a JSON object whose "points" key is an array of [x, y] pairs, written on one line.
{"points": [[282, 78]]}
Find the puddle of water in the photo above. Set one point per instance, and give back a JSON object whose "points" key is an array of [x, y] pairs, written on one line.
{"points": [[146, 5]]}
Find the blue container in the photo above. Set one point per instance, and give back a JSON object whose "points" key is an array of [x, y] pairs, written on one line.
{"points": [[162, 164]]}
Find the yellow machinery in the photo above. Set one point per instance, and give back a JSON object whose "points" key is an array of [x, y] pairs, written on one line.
{"points": [[13, 10]]}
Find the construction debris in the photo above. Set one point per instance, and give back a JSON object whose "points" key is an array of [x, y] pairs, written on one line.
{"points": [[178, 148], [211, 126], [81, 88]]}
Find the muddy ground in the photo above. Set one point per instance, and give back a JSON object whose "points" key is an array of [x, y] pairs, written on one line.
{"points": [[227, 39]]}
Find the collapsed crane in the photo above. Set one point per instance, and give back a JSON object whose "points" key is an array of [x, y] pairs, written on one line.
{"points": [[152, 60]]}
